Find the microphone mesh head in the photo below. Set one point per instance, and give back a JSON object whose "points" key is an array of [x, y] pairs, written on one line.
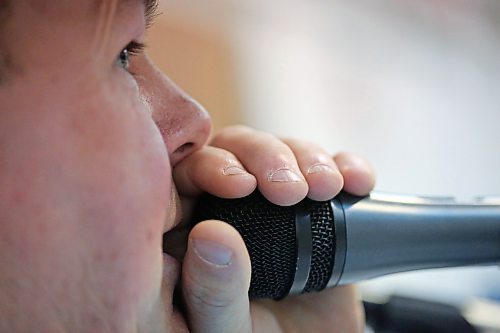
{"points": [[269, 234], [323, 249]]}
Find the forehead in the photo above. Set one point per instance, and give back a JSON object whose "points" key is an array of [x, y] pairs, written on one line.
{"points": [[149, 5], [57, 10], [91, 7], [120, 6], [31, 25]]}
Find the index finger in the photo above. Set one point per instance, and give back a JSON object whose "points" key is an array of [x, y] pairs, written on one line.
{"points": [[270, 160]]}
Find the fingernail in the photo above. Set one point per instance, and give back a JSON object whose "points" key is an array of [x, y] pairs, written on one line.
{"points": [[319, 167], [211, 252], [233, 170], [284, 175]]}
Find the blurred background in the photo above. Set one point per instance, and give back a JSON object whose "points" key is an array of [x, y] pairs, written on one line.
{"points": [[414, 86]]}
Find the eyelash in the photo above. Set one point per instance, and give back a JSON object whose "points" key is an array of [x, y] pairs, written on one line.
{"points": [[132, 49]]}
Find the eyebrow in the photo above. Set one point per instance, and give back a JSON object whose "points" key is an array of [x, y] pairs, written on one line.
{"points": [[107, 9], [151, 11]]}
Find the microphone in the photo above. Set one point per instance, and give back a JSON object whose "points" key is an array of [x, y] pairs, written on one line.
{"points": [[314, 245]]}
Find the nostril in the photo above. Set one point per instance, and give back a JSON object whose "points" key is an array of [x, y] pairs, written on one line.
{"points": [[181, 152], [185, 147]]}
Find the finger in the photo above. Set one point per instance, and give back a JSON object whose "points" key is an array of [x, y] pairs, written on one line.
{"points": [[269, 159], [333, 310], [215, 171], [215, 279], [359, 177], [323, 177]]}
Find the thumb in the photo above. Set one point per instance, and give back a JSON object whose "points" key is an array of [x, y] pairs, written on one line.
{"points": [[215, 279]]}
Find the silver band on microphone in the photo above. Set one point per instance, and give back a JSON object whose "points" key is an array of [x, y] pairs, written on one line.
{"points": [[303, 236]]}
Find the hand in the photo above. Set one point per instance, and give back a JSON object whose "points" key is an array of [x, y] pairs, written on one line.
{"points": [[216, 267]]}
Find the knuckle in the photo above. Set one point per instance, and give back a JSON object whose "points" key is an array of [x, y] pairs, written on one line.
{"points": [[213, 294], [202, 297]]}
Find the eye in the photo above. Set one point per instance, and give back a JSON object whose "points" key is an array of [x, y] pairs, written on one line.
{"points": [[123, 59], [133, 48]]}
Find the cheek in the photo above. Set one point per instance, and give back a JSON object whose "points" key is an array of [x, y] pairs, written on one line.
{"points": [[87, 185], [121, 179], [123, 165], [131, 161]]}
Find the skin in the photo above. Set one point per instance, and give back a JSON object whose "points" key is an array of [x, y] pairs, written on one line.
{"points": [[96, 164]]}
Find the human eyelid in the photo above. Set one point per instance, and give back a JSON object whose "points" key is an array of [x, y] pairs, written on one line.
{"points": [[135, 48]]}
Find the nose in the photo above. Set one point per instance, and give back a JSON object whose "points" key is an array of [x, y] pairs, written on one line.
{"points": [[184, 124]]}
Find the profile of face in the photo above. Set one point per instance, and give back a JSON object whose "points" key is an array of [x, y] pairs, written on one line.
{"points": [[90, 131]]}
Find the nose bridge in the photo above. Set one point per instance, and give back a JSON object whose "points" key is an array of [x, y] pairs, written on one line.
{"points": [[183, 122]]}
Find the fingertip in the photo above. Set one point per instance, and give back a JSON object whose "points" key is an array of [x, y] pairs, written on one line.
{"points": [[325, 184], [223, 236], [216, 277], [358, 182], [284, 193], [358, 174], [215, 171], [217, 231], [235, 186]]}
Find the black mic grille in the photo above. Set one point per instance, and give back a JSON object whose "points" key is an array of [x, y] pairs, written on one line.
{"points": [[323, 246], [269, 234]]}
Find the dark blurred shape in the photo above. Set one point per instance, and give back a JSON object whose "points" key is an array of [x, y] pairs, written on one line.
{"points": [[409, 315]]}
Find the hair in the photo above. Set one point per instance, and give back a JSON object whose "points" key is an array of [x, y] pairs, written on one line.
{"points": [[4, 7], [4, 57]]}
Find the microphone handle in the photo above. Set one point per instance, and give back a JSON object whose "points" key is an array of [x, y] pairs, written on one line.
{"points": [[314, 245], [385, 234]]}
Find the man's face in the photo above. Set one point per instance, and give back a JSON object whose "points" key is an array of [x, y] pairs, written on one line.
{"points": [[86, 152]]}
